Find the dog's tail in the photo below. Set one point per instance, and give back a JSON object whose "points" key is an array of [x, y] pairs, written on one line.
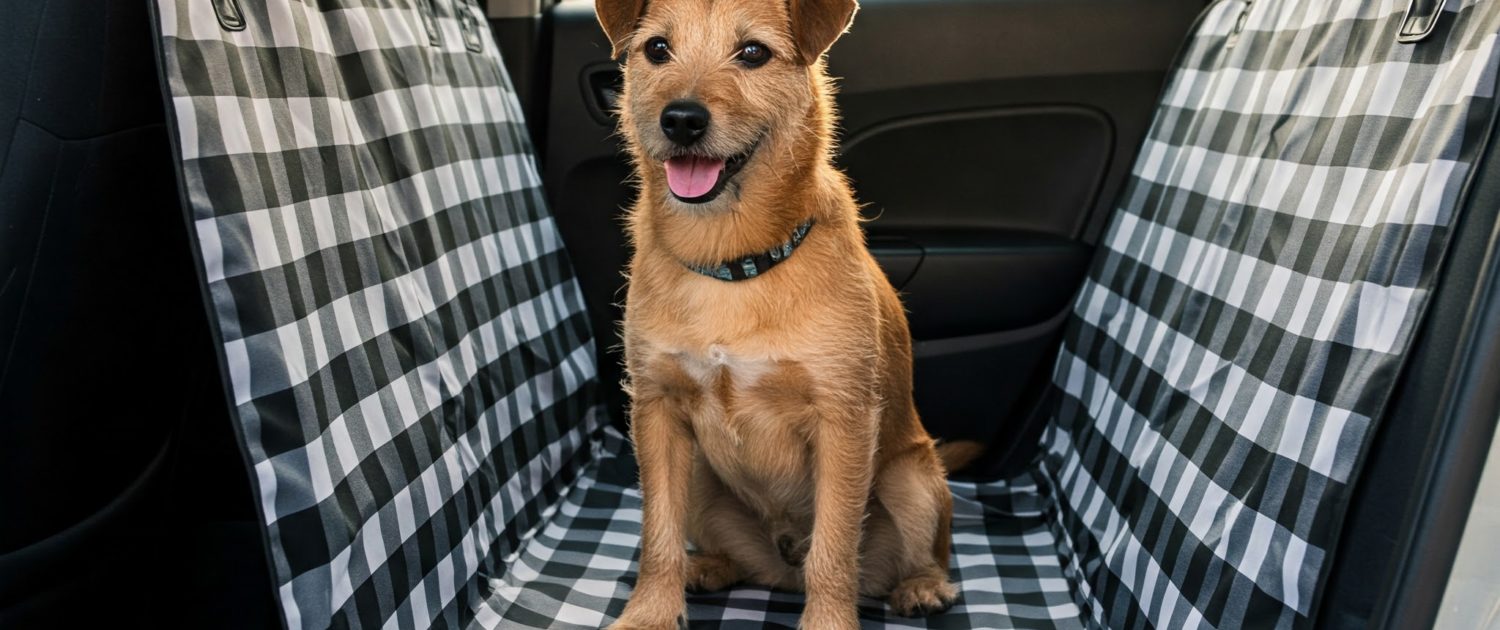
{"points": [[957, 454]]}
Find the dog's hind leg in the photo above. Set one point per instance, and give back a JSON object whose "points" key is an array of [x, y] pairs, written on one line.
{"points": [[882, 561], [914, 496], [733, 543], [712, 571]]}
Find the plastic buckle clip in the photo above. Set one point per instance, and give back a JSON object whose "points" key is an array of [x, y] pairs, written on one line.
{"points": [[1420, 21]]}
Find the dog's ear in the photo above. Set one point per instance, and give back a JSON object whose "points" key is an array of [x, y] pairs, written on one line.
{"points": [[618, 17], [816, 24]]}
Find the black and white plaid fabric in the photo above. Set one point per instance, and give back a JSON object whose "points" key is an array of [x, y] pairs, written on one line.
{"points": [[1258, 288], [406, 349], [579, 570], [411, 368]]}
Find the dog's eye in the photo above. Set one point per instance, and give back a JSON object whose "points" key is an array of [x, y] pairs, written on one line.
{"points": [[657, 50], [754, 54]]}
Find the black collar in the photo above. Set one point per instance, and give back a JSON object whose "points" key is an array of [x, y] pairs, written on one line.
{"points": [[754, 265]]}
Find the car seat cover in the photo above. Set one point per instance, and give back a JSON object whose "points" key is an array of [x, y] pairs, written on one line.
{"points": [[1257, 289], [409, 364]]}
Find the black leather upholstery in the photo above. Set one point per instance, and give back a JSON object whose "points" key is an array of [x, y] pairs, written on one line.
{"points": [[104, 346]]}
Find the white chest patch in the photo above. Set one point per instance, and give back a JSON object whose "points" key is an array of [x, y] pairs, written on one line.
{"points": [[707, 366], [743, 371]]}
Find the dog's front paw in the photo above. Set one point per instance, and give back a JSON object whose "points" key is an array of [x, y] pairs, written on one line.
{"points": [[829, 618], [655, 605], [922, 595], [644, 622]]}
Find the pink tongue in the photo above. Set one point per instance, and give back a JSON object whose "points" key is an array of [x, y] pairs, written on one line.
{"points": [[693, 176]]}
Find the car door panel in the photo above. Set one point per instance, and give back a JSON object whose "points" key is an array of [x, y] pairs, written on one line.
{"points": [[953, 170]]}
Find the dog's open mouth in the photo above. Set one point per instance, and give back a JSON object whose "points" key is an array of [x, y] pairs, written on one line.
{"points": [[700, 178]]}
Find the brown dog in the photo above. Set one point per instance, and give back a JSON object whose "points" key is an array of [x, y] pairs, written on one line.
{"points": [[772, 408]]}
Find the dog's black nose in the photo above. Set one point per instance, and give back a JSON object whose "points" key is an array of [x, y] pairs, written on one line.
{"points": [[684, 121]]}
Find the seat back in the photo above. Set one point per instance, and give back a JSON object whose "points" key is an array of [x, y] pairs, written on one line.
{"points": [[405, 349], [1256, 294]]}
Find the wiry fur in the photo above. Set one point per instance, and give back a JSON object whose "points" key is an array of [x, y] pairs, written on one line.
{"points": [[772, 418]]}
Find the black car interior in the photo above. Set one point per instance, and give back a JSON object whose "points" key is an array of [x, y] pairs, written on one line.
{"points": [[122, 487]]}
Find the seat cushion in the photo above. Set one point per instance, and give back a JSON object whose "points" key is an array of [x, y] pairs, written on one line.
{"points": [[577, 570]]}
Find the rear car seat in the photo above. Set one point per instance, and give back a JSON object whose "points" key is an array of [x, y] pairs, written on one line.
{"points": [[409, 366]]}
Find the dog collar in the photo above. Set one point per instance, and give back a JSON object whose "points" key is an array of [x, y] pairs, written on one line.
{"points": [[755, 264]]}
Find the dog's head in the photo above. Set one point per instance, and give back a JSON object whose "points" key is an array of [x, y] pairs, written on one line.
{"points": [[714, 86]]}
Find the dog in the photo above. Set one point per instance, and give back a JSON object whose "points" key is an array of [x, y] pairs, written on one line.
{"points": [[767, 356]]}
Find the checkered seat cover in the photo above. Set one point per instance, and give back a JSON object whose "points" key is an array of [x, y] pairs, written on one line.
{"points": [[405, 347], [1239, 334], [410, 368]]}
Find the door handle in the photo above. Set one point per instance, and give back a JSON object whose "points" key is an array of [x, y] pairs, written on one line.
{"points": [[602, 85]]}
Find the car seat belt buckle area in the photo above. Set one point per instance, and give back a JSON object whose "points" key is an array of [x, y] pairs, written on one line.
{"points": [[471, 26], [231, 18], [1239, 26], [428, 10], [1420, 20]]}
